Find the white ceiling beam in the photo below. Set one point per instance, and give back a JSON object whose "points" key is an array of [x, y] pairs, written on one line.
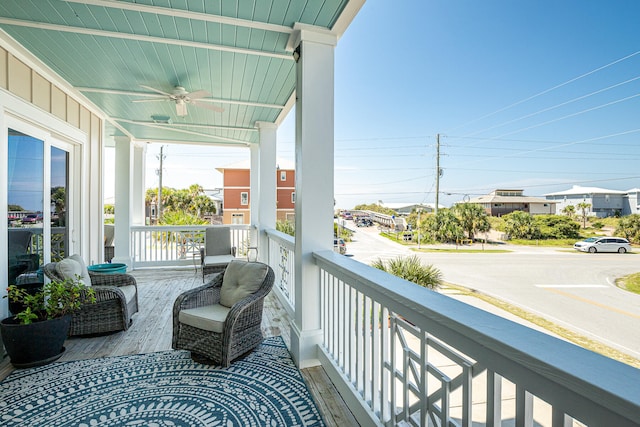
{"points": [[135, 37], [158, 96], [183, 131], [190, 125], [158, 10]]}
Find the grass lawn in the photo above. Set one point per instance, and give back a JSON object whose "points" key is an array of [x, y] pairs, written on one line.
{"points": [[565, 333], [462, 249], [630, 283]]}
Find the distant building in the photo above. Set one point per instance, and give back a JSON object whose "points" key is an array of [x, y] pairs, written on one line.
{"points": [[503, 201], [236, 188], [407, 208], [604, 203]]}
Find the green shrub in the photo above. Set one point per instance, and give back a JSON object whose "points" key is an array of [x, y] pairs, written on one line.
{"points": [[411, 269], [557, 227], [629, 227], [286, 227]]}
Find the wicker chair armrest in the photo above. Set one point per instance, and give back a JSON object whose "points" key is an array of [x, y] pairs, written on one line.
{"points": [[107, 293], [117, 279], [202, 255]]}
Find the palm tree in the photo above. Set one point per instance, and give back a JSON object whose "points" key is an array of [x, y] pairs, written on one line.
{"points": [[584, 209], [473, 218], [569, 211]]}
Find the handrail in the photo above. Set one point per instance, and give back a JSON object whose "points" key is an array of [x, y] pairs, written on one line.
{"points": [[281, 257], [179, 244], [395, 369]]}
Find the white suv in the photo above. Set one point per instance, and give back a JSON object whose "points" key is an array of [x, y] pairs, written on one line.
{"points": [[603, 244]]}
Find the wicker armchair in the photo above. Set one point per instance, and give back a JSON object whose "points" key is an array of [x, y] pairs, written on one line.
{"points": [[214, 330], [116, 302], [217, 252]]}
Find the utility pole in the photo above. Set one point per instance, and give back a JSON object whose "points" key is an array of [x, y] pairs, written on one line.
{"points": [[159, 172], [437, 173]]}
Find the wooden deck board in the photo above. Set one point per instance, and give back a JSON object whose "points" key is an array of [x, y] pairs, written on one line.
{"points": [[152, 328]]}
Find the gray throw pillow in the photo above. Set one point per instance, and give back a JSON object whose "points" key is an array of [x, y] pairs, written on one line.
{"points": [[241, 279]]}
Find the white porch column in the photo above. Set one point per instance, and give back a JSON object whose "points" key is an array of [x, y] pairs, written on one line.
{"points": [[123, 194], [138, 184], [268, 191], [314, 182]]}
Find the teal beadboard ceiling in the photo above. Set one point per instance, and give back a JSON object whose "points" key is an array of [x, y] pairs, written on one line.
{"points": [[115, 52]]}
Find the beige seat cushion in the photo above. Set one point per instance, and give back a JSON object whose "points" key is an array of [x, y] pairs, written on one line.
{"points": [[70, 269], [208, 318], [241, 279], [218, 259], [129, 292]]}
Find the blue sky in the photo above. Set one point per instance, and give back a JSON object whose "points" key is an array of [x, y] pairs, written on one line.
{"points": [[535, 95]]}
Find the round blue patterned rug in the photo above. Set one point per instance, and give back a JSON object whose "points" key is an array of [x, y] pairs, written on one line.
{"points": [[161, 389]]}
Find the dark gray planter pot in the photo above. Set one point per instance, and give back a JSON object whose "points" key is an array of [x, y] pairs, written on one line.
{"points": [[36, 344]]}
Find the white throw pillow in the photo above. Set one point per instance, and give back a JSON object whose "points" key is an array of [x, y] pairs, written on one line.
{"points": [[241, 279], [83, 267]]}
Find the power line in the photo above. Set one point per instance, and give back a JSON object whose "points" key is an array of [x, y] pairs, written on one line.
{"points": [[550, 89]]}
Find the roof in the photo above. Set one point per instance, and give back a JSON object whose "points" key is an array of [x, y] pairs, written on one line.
{"points": [[246, 165], [396, 206], [577, 190], [125, 58], [490, 198]]}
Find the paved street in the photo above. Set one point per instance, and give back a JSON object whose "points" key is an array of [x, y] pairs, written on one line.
{"points": [[575, 290]]}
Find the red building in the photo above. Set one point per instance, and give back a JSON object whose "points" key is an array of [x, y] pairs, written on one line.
{"points": [[236, 184]]}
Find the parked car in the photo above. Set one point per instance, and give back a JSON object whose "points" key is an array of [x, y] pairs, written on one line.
{"points": [[32, 218], [339, 246], [603, 244]]}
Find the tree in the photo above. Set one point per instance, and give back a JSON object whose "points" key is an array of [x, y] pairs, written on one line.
{"points": [[629, 227], [473, 218], [584, 209], [192, 201], [557, 227], [521, 225], [374, 208], [411, 269], [444, 226], [569, 211]]}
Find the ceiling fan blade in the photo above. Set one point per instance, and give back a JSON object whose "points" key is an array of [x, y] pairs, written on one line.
{"points": [[207, 106], [156, 90], [198, 94], [181, 108]]}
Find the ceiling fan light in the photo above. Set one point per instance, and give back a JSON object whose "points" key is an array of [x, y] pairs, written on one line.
{"points": [[181, 108]]}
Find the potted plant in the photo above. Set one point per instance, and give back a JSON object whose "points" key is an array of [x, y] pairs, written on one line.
{"points": [[35, 335]]}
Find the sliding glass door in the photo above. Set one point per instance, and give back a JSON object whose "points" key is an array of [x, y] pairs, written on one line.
{"points": [[37, 205]]}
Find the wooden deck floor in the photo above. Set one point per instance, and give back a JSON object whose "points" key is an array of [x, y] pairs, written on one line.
{"points": [[152, 328]]}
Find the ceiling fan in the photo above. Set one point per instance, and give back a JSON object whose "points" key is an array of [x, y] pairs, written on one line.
{"points": [[181, 97]]}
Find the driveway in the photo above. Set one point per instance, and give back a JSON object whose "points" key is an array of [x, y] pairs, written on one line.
{"points": [[574, 290]]}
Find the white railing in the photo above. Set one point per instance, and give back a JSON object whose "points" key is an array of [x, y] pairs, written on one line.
{"points": [[404, 355], [281, 257], [179, 245]]}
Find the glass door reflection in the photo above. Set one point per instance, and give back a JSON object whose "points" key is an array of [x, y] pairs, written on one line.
{"points": [[59, 203], [25, 185]]}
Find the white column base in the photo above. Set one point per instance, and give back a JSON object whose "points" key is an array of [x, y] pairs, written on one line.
{"points": [[304, 346]]}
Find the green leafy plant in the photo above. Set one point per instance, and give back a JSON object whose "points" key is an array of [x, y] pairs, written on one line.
{"points": [[411, 269], [56, 299]]}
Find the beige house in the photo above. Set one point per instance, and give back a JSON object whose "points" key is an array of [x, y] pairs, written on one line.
{"points": [[503, 201]]}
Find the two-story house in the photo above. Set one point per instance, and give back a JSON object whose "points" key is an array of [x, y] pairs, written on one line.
{"points": [[236, 183]]}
